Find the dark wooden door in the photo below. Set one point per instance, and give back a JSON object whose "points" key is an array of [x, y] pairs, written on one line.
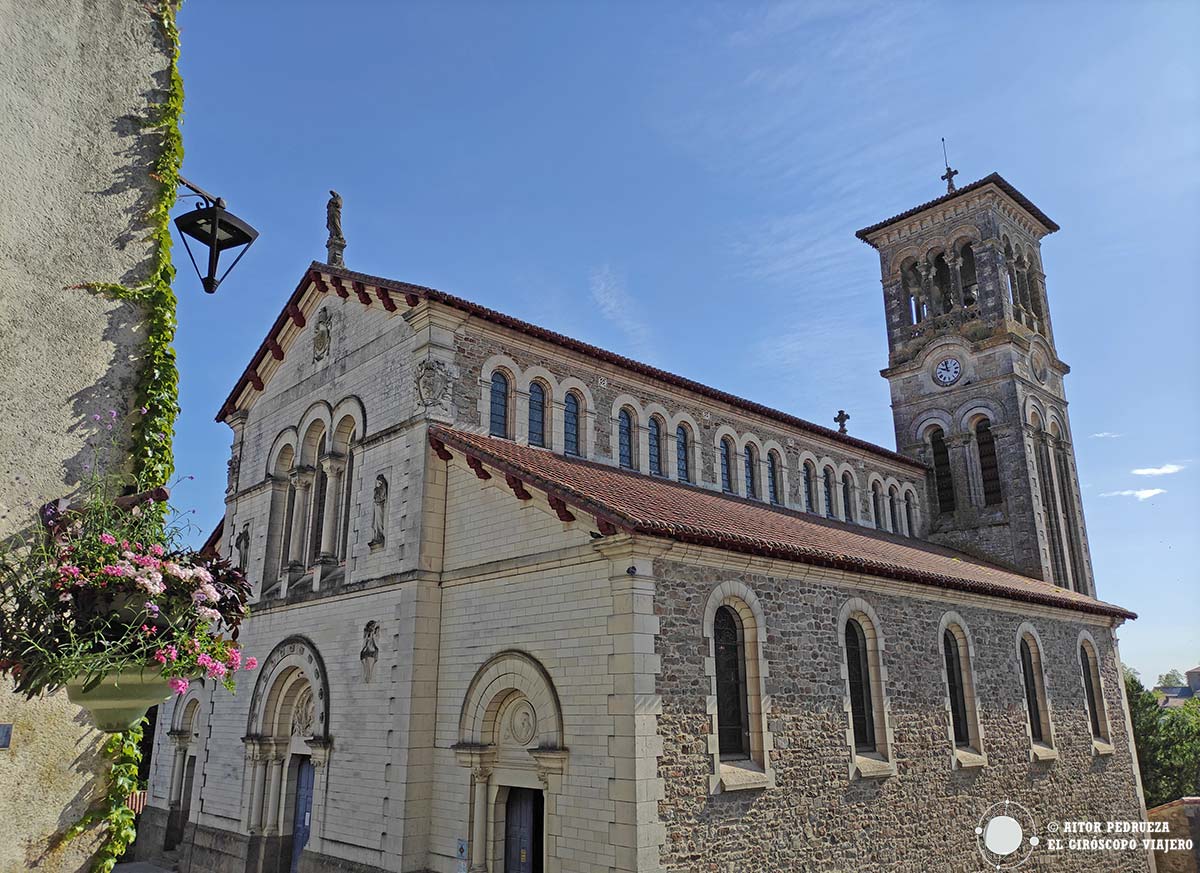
{"points": [[523, 831], [302, 819]]}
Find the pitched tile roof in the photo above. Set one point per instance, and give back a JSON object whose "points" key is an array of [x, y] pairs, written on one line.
{"points": [[994, 178], [636, 503], [384, 288]]}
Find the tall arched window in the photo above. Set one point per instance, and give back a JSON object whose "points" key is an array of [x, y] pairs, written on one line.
{"points": [[625, 438], [1035, 692], [1091, 686], [827, 481], [499, 405], [966, 269], [727, 465], [773, 480], [571, 423], [989, 468], [941, 470], [894, 509], [750, 462], [810, 487], [682, 468], [655, 446], [733, 718], [858, 672], [537, 414], [847, 498], [958, 697], [910, 515], [877, 504]]}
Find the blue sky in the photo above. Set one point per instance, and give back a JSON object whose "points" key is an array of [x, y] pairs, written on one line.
{"points": [[681, 182]]}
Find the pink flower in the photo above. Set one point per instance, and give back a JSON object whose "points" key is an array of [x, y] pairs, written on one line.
{"points": [[108, 539], [251, 663], [65, 597], [172, 653], [205, 660], [157, 550], [235, 659], [208, 613], [216, 670], [113, 570], [160, 656], [179, 686]]}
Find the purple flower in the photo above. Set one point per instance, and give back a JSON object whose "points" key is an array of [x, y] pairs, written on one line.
{"points": [[151, 607]]}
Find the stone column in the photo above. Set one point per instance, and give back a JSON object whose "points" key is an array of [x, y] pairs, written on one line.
{"points": [[954, 262], [333, 466], [180, 739], [957, 446], [320, 749], [481, 774], [302, 478], [933, 306], [257, 789], [274, 792]]}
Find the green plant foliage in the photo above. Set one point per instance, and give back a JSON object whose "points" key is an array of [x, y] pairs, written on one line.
{"points": [[158, 394], [1168, 745]]}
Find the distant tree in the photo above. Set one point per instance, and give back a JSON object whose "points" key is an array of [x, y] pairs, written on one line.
{"points": [[1171, 679], [1128, 671], [1168, 744]]}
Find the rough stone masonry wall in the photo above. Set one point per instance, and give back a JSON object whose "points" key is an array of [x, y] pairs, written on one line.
{"points": [[75, 79], [923, 818]]}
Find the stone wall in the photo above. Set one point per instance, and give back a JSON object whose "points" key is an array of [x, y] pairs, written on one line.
{"points": [[1183, 818], [76, 81], [816, 817]]}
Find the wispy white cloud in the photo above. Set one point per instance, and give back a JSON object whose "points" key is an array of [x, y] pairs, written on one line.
{"points": [[1141, 494], [620, 309], [1106, 435], [1164, 470]]}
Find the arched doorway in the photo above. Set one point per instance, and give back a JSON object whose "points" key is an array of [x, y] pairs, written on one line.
{"points": [[287, 749], [185, 737], [511, 738]]}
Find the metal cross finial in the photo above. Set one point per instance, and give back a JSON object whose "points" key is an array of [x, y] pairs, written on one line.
{"points": [[841, 418], [948, 176]]}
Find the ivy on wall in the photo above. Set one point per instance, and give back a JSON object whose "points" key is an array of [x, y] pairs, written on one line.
{"points": [[150, 452]]}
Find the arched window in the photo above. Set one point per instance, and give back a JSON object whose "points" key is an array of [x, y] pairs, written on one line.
{"points": [[827, 480], [970, 280], [1035, 692], [911, 282], [955, 685], [750, 461], [1091, 686], [726, 464], [537, 414], [773, 480], [941, 470], [810, 487], [943, 290], [877, 504], [910, 515], [989, 468], [682, 469], [499, 405], [571, 423], [894, 509], [858, 671], [655, 446], [847, 499], [733, 720], [625, 438]]}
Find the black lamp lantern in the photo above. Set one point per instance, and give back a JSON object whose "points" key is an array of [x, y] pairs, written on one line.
{"points": [[218, 229]]}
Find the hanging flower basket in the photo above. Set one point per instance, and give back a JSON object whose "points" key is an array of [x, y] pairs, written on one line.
{"points": [[105, 603], [119, 700]]}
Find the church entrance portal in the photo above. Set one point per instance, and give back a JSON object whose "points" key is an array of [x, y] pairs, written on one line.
{"points": [[523, 831]]}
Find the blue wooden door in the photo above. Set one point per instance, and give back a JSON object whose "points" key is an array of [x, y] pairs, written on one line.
{"points": [[303, 816]]}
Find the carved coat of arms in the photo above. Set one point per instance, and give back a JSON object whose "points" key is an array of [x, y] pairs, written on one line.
{"points": [[433, 383]]}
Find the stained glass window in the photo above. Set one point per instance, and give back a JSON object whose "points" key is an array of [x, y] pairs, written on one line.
{"points": [[732, 717], [499, 407]]}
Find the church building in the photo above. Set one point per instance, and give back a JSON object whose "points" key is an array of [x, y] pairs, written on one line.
{"points": [[523, 605]]}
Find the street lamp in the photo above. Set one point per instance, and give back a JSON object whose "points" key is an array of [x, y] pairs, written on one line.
{"points": [[218, 229]]}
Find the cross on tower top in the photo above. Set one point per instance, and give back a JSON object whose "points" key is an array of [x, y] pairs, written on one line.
{"points": [[841, 418]]}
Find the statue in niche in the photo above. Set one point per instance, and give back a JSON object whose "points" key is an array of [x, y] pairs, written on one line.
{"points": [[379, 513], [370, 650], [322, 335], [242, 546]]}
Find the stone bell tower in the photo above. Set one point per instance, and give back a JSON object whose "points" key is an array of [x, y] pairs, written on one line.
{"points": [[977, 385]]}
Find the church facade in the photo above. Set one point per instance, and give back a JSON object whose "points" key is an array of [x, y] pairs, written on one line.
{"points": [[525, 605]]}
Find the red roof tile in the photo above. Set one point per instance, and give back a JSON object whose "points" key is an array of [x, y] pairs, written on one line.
{"points": [[405, 289], [643, 504], [994, 178]]}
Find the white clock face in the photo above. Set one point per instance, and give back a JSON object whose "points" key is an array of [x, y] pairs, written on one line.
{"points": [[947, 371]]}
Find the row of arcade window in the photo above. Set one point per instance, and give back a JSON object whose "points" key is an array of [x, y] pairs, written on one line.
{"points": [[863, 663], [538, 427], [751, 473], [989, 467]]}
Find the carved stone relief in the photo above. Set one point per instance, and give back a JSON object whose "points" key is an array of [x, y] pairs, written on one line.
{"points": [[433, 381], [322, 335], [370, 650]]}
